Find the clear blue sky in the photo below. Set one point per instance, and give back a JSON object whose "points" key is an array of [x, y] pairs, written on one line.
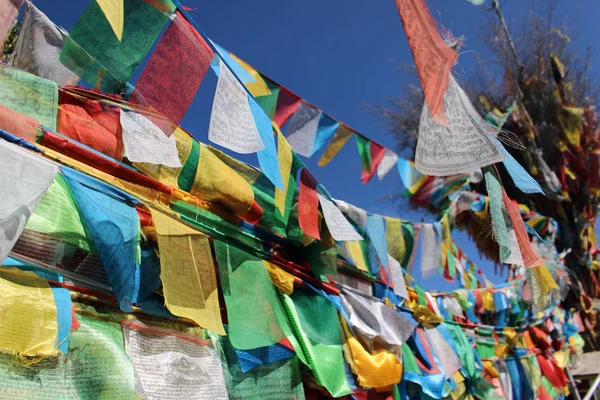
{"points": [[341, 55]]}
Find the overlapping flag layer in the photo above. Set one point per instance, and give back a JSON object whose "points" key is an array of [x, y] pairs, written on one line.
{"points": [[138, 262]]}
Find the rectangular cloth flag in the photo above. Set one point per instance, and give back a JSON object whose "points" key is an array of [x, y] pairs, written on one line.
{"points": [[114, 226], [98, 56], [9, 9], [41, 95], [29, 324], [24, 178], [308, 205], [231, 122], [97, 367], [187, 272], [498, 224], [287, 105], [175, 70], [38, 48], [145, 142], [316, 338], [175, 365], [433, 57], [254, 312], [530, 258]]}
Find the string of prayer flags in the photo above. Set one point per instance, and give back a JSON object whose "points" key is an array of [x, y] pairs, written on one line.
{"points": [[461, 147], [433, 57], [173, 364], [114, 226], [254, 312], [38, 47], [340, 137], [302, 130], [29, 316], [390, 159], [9, 9], [114, 11], [145, 142], [187, 273], [371, 154], [287, 105], [231, 122], [339, 227], [259, 87], [530, 258], [95, 53], [175, 70], [308, 205], [25, 177], [41, 95], [498, 224]]}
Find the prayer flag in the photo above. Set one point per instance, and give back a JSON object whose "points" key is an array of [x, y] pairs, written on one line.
{"points": [[308, 205], [175, 70]]}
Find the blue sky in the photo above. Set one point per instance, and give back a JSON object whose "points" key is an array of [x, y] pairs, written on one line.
{"points": [[341, 55]]}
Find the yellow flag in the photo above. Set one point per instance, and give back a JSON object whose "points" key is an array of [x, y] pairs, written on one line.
{"points": [[357, 254], [280, 278], [28, 324], [187, 272], [394, 238], [376, 369], [341, 136], [285, 158], [114, 11], [216, 182]]}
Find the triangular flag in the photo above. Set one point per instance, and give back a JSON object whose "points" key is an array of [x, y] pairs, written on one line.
{"points": [[530, 258], [371, 154], [339, 227], [340, 138], [387, 163], [302, 130], [114, 10], [287, 104]]}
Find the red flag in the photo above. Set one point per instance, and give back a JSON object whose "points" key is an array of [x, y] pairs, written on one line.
{"points": [[433, 58], [308, 205], [530, 258], [377, 154], [287, 104], [175, 70]]}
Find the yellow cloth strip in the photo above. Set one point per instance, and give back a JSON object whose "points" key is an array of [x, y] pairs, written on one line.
{"points": [[394, 238], [285, 157], [357, 254], [257, 88], [187, 272], [341, 136], [280, 278], [28, 324]]}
